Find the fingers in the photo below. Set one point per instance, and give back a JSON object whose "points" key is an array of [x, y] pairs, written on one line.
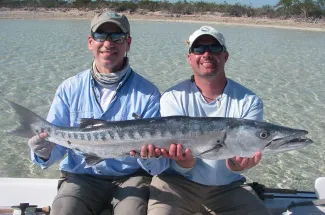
{"points": [[144, 151], [177, 152], [150, 151], [247, 163], [35, 140], [164, 153], [132, 153], [257, 157], [43, 135]]}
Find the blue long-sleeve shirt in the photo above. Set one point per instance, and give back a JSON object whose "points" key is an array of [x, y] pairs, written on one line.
{"points": [[236, 101], [78, 97]]}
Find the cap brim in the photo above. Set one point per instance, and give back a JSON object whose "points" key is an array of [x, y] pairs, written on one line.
{"points": [[95, 27], [201, 34]]}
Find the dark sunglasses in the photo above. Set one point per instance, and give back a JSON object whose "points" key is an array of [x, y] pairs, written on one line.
{"points": [[201, 49], [112, 37]]}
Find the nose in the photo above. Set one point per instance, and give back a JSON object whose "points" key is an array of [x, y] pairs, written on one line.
{"points": [[107, 43], [206, 53]]}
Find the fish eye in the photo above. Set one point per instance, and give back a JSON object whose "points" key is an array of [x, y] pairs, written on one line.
{"points": [[264, 134]]}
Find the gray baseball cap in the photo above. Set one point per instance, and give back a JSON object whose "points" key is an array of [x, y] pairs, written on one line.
{"points": [[112, 17], [207, 30]]}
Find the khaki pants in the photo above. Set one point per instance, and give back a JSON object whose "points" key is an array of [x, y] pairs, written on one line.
{"points": [[89, 195], [171, 195]]}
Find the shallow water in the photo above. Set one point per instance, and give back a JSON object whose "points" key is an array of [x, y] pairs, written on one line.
{"points": [[284, 67]]}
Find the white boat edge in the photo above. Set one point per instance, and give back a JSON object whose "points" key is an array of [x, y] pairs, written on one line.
{"points": [[41, 192]]}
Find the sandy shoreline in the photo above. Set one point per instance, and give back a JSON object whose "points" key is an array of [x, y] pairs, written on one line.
{"points": [[40, 13]]}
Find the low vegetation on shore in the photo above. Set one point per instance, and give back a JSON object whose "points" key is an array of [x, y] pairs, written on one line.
{"points": [[312, 11]]}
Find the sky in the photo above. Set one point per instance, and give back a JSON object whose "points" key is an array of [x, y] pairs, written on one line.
{"points": [[255, 3]]}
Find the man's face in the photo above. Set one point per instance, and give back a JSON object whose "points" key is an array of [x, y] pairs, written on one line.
{"points": [[207, 64], [109, 56]]}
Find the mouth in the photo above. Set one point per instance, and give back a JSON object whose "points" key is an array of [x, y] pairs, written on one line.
{"points": [[300, 140], [107, 52], [289, 141]]}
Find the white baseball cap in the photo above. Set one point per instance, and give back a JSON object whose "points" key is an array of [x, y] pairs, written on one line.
{"points": [[207, 30]]}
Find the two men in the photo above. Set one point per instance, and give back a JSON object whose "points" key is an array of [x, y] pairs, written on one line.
{"points": [[111, 90]]}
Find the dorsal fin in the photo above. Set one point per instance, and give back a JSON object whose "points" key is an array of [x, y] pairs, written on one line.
{"points": [[86, 123]]}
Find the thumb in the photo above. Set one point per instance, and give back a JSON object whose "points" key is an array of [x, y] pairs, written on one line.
{"points": [[34, 141]]}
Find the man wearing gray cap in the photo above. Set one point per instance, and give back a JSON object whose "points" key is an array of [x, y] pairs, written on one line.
{"points": [[110, 90], [200, 185]]}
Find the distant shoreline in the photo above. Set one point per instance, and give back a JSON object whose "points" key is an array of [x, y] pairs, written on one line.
{"points": [[63, 13]]}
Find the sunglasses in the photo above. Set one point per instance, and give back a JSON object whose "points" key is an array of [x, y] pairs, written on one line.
{"points": [[112, 37], [201, 49]]}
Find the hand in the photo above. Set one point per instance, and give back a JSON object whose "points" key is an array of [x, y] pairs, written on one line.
{"points": [[239, 163], [148, 151], [41, 147], [175, 152]]}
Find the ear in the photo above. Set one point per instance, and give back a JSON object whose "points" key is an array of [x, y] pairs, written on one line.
{"points": [[189, 58], [129, 40], [226, 56], [90, 43]]}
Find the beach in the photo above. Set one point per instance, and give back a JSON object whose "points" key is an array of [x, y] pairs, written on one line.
{"points": [[207, 18]]}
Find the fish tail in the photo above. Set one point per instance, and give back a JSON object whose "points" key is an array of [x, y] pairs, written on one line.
{"points": [[29, 121]]}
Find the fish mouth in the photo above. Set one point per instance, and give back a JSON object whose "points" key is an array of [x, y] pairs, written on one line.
{"points": [[289, 142]]}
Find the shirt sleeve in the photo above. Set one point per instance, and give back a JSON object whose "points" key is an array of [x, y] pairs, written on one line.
{"points": [[59, 116], [157, 165]]}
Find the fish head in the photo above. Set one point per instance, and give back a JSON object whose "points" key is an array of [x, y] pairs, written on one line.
{"points": [[247, 137]]}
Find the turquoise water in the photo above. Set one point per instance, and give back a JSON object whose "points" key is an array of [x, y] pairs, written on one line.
{"points": [[284, 67]]}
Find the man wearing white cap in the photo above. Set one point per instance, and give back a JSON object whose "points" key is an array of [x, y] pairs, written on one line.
{"points": [[110, 90], [192, 185]]}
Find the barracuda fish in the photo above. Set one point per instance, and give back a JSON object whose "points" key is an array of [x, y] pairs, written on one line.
{"points": [[213, 138]]}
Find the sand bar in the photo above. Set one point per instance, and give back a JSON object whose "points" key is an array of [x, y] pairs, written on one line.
{"points": [[215, 18]]}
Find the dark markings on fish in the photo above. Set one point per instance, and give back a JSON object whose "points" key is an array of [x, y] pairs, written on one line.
{"points": [[63, 134], [37, 131], [89, 136], [172, 131], [42, 130], [69, 143], [95, 136], [185, 130], [82, 136], [131, 134], [153, 132], [121, 134], [110, 134], [102, 136], [201, 130], [75, 135], [141, 133], [49, 130], [162, 131]]}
